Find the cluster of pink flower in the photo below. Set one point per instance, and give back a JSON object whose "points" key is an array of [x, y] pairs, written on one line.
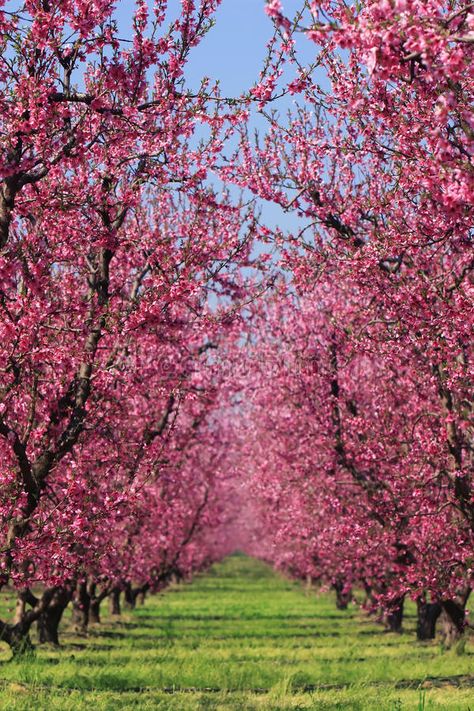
{"points": [[362, 437], [111, 455], [160, 401]]}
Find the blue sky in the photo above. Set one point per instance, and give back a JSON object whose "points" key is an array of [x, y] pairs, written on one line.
{"points": [[234, 49], [233, 52]]}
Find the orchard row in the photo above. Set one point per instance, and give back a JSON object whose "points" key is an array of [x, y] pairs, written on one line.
{"points": [[180, 378]]}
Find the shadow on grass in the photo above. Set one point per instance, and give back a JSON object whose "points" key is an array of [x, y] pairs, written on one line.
{"points": [[296, 685], [244, 617]]}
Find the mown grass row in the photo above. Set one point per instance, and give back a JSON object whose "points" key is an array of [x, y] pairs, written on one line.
{"points": [[240, 638]]}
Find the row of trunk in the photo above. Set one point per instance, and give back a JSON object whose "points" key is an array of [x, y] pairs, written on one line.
{"points": [[47, 612], [86, 598], [451, 614]]}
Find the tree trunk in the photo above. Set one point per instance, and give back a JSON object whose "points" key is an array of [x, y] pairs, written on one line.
{"points": [[94, 603], [96, 598], [20, 608], [48, 621], [114, 602], [17, 635], [130, 597], [135, 595], [140, 592], [48, 626], [454, 618], [141, 597], [94, 611], [428, 613], [394, 614], [80, 608], [176, 578], [343, 596]]}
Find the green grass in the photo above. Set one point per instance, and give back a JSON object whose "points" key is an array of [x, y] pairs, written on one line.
{"points": [[239, 638]]}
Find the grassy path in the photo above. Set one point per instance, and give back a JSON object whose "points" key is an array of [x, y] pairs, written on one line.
{"points": [[240, 638]]}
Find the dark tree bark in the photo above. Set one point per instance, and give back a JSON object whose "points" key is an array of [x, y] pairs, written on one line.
{"points": [[23, 599], [394, 614], [130, 599], [114, 602], [94, 603], [454, 618], [17, 634], [94, 611], [48, 622], [343, 597], [428, 614], [80, 608], [96, 597], [135, 595]]}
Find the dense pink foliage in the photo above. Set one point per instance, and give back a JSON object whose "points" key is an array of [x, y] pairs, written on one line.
{"points": [[112, 242], [164, 396], [361, 392]]}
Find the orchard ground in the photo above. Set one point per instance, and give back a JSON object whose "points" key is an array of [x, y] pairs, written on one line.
{"points": [[240, 637]]}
